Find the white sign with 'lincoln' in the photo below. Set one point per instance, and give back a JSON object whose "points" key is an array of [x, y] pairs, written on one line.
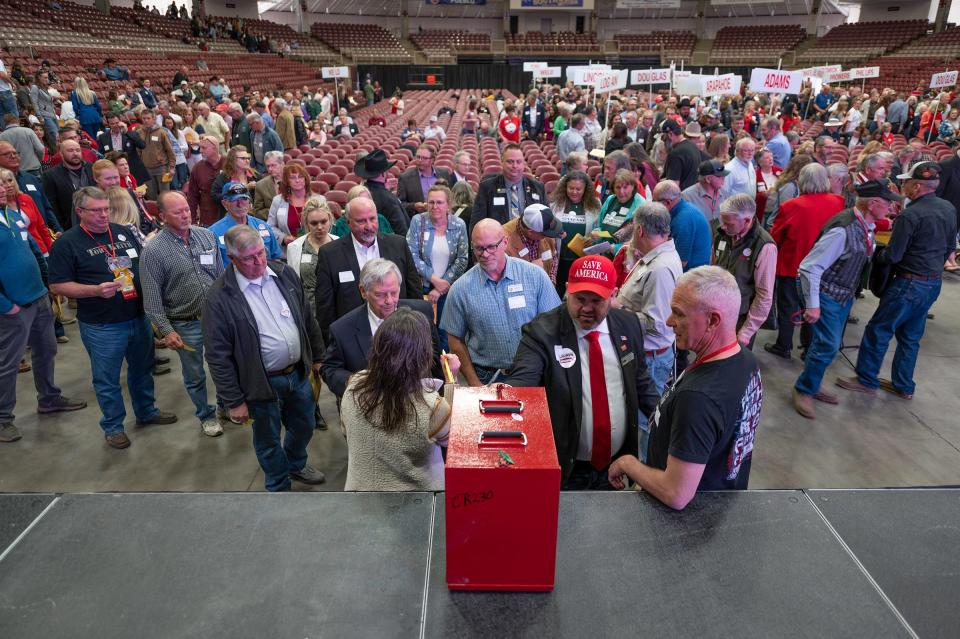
{"points": [[775, 81], [945, 79]]}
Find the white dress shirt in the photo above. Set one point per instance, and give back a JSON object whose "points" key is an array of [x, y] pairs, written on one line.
{"points": [[279, 335], [375, 321], [365, 253], [616, 397], [742, 178]]}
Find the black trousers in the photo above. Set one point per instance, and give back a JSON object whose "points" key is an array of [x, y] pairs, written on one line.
{"points": [[788, 307]]}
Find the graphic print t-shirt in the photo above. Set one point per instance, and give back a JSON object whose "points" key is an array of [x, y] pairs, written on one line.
{"points": [[710, 416]]}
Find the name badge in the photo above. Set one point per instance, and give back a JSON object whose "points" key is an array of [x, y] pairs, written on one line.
{"points": [[624, 211], [20, 224], [31, 187], [523, 252], [626, 359], [535, 196], [206, 259], [25, 236], [546, 255], [106, 147], [154, 138], [426, 236], [515, 288], [499, 201], [721, 245], [265, 232], [517, 301], [132, 252], [306, 258], [346, 276], [221, 239]]}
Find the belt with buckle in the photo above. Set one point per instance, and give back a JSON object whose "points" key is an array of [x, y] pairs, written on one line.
{"points": [[659, 351], [283, 371]]}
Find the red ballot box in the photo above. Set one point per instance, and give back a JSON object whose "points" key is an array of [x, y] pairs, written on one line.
{"points": [[502, 491]]}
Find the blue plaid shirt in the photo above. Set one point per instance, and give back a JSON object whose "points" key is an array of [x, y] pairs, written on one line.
{"points": [[488, 315]]}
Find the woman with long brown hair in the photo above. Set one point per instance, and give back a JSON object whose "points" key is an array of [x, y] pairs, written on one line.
{"points": [[236, 168], [284, 218], [394, 424], [784, 188]]}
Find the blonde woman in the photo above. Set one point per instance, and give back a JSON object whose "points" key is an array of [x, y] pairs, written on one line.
{"points": [[302, 252], [124, 211], [86, 106]]}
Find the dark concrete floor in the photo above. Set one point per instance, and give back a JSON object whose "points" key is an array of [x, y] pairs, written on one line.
{"points": [[866, 441]]}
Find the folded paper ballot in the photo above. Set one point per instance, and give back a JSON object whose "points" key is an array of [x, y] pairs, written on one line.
{"points": [[577, 243]]}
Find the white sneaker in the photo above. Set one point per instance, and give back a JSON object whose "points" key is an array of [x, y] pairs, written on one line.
{"points": [[211, 428]]}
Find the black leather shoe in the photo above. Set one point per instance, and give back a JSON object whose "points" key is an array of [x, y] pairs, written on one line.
{"points": [[773, 350], [160, 418]]}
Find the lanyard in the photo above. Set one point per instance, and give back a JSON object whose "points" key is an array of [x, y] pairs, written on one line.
{"points": [[112, 253], [709, 356], [6, 215], [866, 233]]}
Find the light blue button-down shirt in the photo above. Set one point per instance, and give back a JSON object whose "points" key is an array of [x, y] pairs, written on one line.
{"points": [[279, 335], [488, 315]]}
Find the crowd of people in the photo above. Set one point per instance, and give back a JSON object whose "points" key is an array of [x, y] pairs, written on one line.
{"points": [[635, 298]]}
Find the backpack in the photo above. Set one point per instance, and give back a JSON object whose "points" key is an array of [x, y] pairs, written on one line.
{"points": [[300, 131]]}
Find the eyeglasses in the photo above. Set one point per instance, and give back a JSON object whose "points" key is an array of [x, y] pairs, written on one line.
{"points": [[243, 157], [251, 259], [489, 248], [10, 154], [102, 210]]}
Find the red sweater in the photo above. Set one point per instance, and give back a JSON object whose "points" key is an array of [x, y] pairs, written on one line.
{"points": [[797, 226]]}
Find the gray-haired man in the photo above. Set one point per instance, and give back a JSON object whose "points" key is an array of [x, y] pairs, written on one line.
{"points": [[351, 335], [261, 343]]}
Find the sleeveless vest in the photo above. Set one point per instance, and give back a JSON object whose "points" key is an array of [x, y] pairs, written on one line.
{"points": [[739, 259], [841, 279]]}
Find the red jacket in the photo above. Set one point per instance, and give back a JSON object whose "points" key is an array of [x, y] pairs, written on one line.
{"points": [[38, 228], [797, 226]]}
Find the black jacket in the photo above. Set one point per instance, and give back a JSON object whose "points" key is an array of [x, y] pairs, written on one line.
{"points": [[535, 364], [683, 164], [131, 143], [338, 276], [535, 130], [491, 200], [949, 187], [409, 190], [388, 205], [59, 190], [350, 340], [351, 127], [232, 343]]}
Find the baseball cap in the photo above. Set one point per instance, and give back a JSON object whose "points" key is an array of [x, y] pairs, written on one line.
{"points": [[234, 191], [540, 218], [833, 122], [692, 130], [922, 171], [712, 167], [592, 273], [433, 118], [671, 126], [875, 188]]}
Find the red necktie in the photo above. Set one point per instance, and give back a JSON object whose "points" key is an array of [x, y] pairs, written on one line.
{"points": [[600, 457]]}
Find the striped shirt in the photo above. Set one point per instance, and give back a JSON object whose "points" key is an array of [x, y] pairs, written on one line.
{"points": [[175, 277], [488, 315]]}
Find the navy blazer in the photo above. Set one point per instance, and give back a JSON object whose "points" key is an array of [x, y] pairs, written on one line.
{"points": [[338, 276], [131, 143], [535, 364], [350, 340], [535, 130], [491, 200]]}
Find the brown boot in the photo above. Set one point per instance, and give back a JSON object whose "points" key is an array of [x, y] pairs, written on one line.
{"points": [[803, 404], [826, 397], [853, 384]]}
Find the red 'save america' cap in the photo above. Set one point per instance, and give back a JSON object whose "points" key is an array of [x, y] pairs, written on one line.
{"points": [[594, 274]]}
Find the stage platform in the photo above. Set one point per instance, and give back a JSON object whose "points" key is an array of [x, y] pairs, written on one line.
{"points": [[820, 563]]}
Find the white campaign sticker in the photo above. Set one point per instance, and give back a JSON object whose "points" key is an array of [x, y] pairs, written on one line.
{"points": [[154, 138], [206, 259], [20, 224], [624, 211], [535, 196], [517, 301], [546, 255], [499, 201], [565, 357], [265, 232], [514, 288], [31, 187], [121, 237], [523, 252], [346, 276], [306, 258], [132, 252]]}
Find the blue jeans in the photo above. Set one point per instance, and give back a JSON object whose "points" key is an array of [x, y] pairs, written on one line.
{"points": [[441, 334], [824, 344], [485, 376], [108, 345], [293, 408], [902, 312], [194, 375], [181, 175], [660, 368], [8, 104]]}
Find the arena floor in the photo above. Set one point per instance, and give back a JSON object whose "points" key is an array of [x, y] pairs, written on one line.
{"points": [[866, 442]]}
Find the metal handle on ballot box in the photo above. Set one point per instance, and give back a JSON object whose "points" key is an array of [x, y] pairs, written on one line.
{"points": [[502, 434]]}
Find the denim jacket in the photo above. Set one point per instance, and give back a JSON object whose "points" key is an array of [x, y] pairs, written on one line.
{"points": [[420, 240]]}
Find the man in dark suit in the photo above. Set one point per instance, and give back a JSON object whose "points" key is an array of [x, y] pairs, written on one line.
{"points": [[373, 169], [116, 138], [531, 120], [63, 180], [340, 261], [413, 184], [594, 409], [504, 196], [352, 334]]}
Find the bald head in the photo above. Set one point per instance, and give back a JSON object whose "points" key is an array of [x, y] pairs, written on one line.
{"points": [[71, 153]]}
